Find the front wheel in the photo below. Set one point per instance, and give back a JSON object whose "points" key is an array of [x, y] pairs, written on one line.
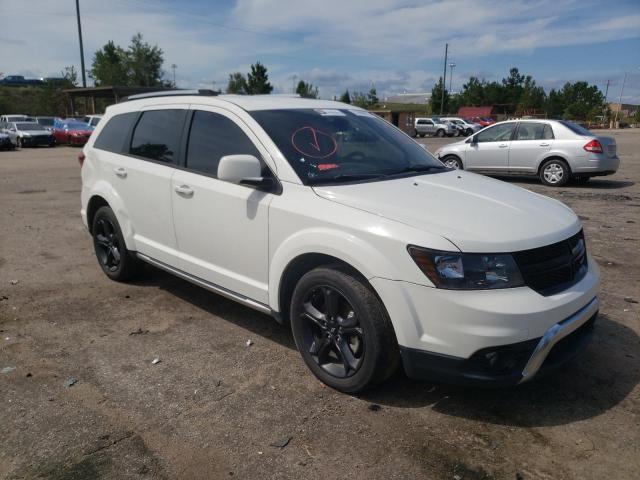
{"points": [[117, 262], [555, 172], [19, 142], [451, 161], [342, 330]]}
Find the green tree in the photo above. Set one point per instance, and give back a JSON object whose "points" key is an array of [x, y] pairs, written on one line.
{"points": [[139, 65], [237, 83], [575, 101], [359, 99], [258, 80], [70, 76], [306, 90], [109, 66], [473, 93], [436, 98], [345, 97], [532, 97], [372, 97], [144, 63]]}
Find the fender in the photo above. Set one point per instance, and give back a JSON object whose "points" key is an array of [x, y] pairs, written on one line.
{"points": [[354, 251], [104, 189]]}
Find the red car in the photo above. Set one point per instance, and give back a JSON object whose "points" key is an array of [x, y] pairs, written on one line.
{"points": [[483, 121], [71, 132]]}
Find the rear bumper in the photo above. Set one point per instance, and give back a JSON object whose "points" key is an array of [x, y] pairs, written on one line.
{"points": [[511, 364], [595, 165]]}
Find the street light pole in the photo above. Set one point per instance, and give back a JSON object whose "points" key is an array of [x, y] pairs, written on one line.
{"points": [[444, 77], [615, 121], [451, 67], [173, 67], [84, 77]]}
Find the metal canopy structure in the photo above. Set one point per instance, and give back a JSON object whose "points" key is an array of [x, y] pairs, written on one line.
{"points": [[112, 94]]}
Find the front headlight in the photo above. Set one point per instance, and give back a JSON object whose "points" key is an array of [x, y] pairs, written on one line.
{"points": [[467, 271]]}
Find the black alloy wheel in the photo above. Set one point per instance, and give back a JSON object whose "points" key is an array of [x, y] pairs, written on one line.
{"points": [[331, 332], [107, 244]]}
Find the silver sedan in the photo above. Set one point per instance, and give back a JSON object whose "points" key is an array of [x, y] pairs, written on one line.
{"points": [[554, 150]]}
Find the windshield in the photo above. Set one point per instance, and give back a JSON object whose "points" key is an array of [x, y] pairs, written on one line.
{"points": [[29, 126], [577, 129], [45, 121], [333, 146]]}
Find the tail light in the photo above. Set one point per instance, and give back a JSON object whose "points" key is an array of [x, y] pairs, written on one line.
{"points": [[594, 146], [81, 158]]}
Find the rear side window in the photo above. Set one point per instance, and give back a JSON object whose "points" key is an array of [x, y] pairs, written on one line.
{"points": [[212, 136], [157, 135], [114, 134], [533, 131]]}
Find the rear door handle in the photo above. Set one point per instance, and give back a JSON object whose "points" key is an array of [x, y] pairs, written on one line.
{"points": [[544, 144], [503, 145], [121, 172], [184, 191]]}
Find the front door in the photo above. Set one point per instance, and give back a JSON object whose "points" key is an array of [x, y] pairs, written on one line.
{"points": [[222, 228], [490, 150]]}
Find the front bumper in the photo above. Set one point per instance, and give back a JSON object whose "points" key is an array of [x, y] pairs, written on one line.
{"points": [[40, 140], [508, 364]]}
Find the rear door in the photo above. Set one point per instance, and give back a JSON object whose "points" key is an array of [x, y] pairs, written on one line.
{"points": [[490, 151], [222, 228], [140, 170], [531, 142]]}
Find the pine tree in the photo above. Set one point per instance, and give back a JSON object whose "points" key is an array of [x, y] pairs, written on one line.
{"points": [[258, 80]]}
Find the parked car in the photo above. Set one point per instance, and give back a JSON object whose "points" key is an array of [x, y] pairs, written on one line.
{"points": [[5, 142], [464, 128], [13, 118], [554, 150], [482, 121], [92, 120], [433, 127], [28, 134], [46, 122], [336, 223], [71, 132]]}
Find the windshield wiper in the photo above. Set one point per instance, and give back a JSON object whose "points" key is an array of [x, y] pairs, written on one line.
{"points": [[346, 177], [418, 168]]}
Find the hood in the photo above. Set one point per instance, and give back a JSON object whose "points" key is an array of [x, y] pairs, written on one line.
{"points": [[476, 213], [79, 131], [36, 133]]}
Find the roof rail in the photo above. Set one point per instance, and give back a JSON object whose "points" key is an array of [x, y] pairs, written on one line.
{"points": [[171, 93]]}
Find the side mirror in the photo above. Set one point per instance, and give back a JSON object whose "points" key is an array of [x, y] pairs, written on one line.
{"points": [[473, 140], [243, 170]]}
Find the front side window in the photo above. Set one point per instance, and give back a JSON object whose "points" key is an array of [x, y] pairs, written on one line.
{"points": [[497, 133], [157, 135], [341, 145], [114, 133], [213, 136]]}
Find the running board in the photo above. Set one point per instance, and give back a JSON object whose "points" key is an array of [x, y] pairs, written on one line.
{"points": [[261, 307]]}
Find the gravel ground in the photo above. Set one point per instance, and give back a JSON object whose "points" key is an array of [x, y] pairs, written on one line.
{"points": [[215, 408]]}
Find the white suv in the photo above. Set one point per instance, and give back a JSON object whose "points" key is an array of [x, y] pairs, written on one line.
{"points": [[337, 223]]}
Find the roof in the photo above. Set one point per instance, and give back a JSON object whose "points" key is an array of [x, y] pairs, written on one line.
{"points": [[415, 98], [475, 111]]}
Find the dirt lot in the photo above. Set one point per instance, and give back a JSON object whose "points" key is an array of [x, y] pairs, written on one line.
{"points": [[213, 407]]}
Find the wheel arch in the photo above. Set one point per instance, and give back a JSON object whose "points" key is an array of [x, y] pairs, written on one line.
{"points": [[553, 156], [103, 194]]}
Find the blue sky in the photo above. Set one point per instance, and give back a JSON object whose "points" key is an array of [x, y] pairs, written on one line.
{"points": [[397, 45]]}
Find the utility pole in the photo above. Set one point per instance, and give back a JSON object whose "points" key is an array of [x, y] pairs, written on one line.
{"points": [[84, 75], [173, 67], [624, 80], [444, 77], [452, 65], [293, 90], [606, 93]]}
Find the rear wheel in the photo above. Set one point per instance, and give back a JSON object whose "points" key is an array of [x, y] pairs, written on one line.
{"points": [[440, 133], [555, 172], [342, 330], [117, 262], [415, 133], [19, 142], [468, 132], [451, 161]]}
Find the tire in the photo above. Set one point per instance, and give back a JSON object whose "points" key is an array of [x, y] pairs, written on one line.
{"points": [[19, 142], [358, 325], [440, 133], [468, 132], [415, 133], [116, 261], [452, 161], [422, 135], [555, 172]]}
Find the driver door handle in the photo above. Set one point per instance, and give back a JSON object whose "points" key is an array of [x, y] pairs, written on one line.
{"points": [[184, 191], [121, 172], [503, 145], [544, 144]]}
